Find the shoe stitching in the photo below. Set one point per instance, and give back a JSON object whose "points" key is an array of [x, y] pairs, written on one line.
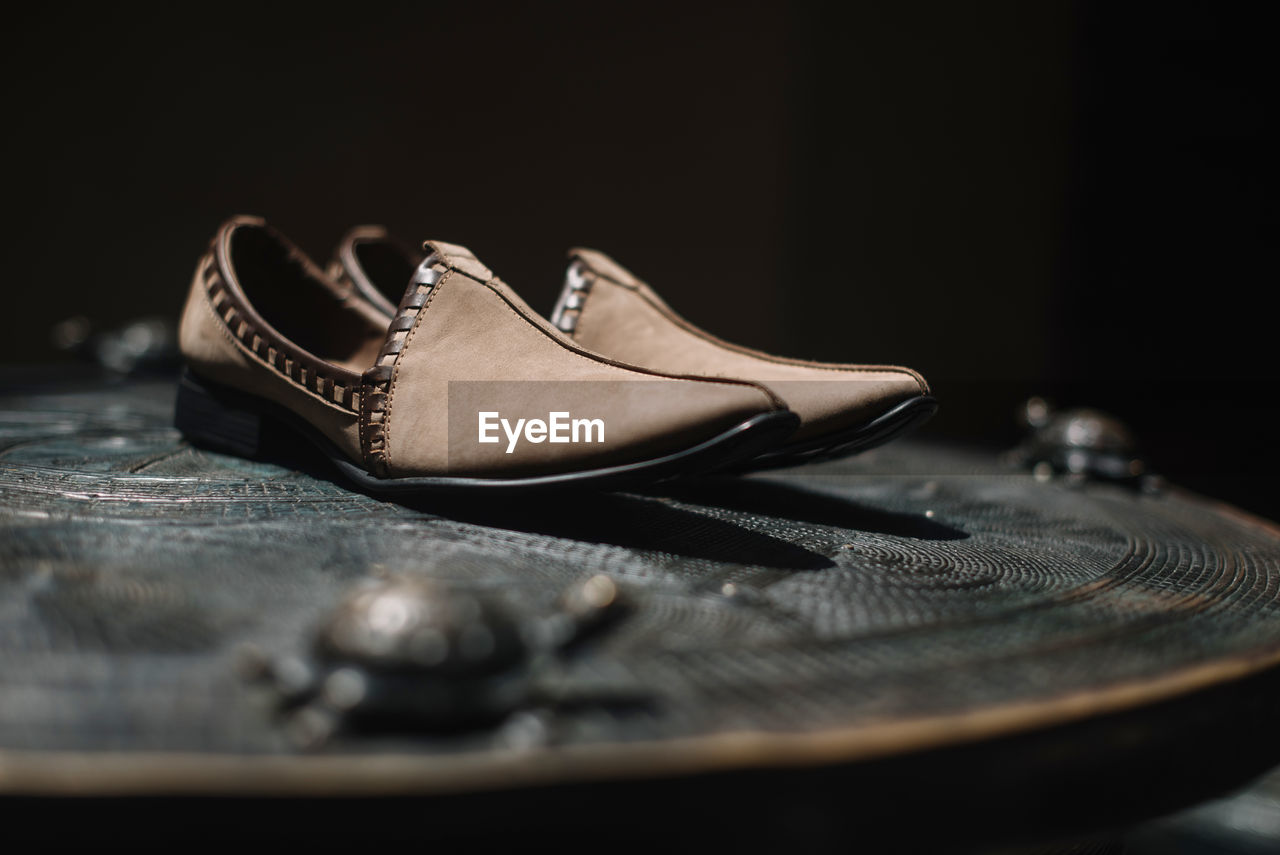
{"points": [[395, 367], [566, 318], [586, 298]]}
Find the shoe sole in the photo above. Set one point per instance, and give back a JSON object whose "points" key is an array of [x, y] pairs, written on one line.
{"points": [[226, 420], [893, 423]]}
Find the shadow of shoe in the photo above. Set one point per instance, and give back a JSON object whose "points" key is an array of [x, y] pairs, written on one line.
{"points": [[640, 521], [773, 498], [629, 521]]}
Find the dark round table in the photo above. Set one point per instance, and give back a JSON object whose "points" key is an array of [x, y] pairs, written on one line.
{"points": [[919, 646]]}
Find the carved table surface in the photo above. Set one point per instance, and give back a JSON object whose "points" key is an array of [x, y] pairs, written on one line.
{"points": [[913, 611]]}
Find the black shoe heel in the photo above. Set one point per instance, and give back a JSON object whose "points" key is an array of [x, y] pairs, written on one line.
{"points": [[215, 419]]}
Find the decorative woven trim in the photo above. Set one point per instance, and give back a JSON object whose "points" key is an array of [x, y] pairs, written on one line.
{"points": [[578, 280], [295, 366], [375, 390]]}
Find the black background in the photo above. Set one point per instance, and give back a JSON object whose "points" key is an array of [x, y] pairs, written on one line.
{"points": [[1067, 199]]}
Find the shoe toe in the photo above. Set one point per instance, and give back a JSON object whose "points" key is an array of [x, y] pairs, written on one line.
{"points": [[837, 400]]}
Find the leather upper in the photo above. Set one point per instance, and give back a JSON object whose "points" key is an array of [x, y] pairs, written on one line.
{"points": [[403, 398], [608, 310], [469, 340]]}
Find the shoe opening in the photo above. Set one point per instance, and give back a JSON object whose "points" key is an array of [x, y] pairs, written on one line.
{"points": [[292, 296], [387, 265]]}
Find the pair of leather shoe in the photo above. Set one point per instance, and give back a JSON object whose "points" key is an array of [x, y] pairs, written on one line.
{"points": [[453, 382]]}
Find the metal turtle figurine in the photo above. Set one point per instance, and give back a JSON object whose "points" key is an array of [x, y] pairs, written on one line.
{"points": [[1080, 443], [412, 654]]}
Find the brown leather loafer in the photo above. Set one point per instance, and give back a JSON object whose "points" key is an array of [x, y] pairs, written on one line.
{"points": [[843, 409], [464, 387]]}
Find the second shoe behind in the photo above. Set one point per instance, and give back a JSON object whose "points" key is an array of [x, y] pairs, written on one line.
{"points": [[843, 409]]}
